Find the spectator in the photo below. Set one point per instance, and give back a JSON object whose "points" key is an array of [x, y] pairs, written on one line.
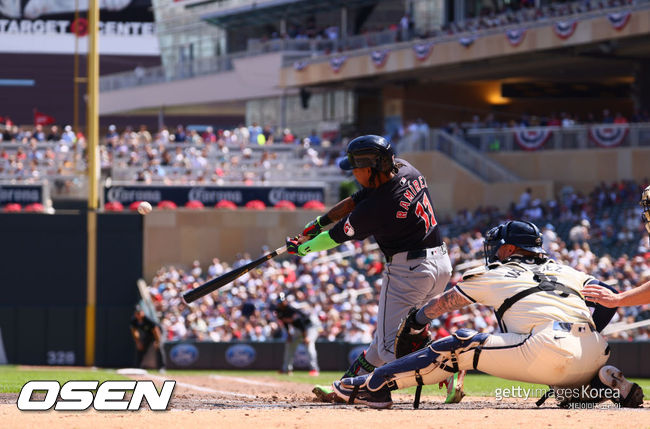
{"points": [[314, 139], [180, 136], [579, 234], [287, 136], [525, 199], [54, 134], [607, 117], [620, 119]]}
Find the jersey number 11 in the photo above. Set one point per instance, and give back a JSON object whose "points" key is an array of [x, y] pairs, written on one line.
{"points": [[424, 210]]}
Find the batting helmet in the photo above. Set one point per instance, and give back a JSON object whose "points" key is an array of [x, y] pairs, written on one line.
{"points": [[524, 235], [369, 151], [645, 203]]}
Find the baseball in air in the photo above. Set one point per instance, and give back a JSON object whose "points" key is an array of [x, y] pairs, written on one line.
{"points": [[144, 208]]}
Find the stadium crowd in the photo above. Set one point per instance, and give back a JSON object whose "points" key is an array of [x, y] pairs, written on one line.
{"points": [[170, 156], [492, 14], [341, 286], [245, 154], [481, 15]]}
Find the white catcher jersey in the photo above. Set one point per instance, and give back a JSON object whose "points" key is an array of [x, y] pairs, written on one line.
{"points": [[494, 284]]}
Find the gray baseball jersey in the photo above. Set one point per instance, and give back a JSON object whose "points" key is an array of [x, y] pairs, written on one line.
{"points": [[400, 216]]}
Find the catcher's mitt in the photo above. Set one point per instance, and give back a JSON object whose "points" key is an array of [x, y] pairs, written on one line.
{"points": [[411, 336]]}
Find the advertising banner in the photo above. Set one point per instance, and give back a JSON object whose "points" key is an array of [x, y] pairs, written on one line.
{"points": [[211, 195], [126, 27], [21, 194]]}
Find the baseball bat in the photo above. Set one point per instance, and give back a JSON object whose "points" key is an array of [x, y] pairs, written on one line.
{"points": [[221, 281]]}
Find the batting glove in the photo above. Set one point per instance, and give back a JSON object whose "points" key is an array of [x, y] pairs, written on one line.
{"points": [[313, 228], [293, 246]]}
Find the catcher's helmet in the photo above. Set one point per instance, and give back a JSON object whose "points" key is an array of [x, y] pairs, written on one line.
{"points": [[522, 234], [369, 151]]}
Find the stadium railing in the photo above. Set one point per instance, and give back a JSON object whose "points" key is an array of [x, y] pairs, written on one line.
{"points": [[563, 138], [458, 150], [528, 25]]}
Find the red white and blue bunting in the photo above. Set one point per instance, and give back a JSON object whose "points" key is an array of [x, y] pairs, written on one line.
{"points": [[337, 62], [608, 135], [565, 29], [516, 36], [379, 57], [423, 50], [532, 138], [467, 41], [619, 19], [300, 65]]}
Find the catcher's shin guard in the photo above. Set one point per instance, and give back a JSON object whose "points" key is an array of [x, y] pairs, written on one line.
{"points": [[431, 365]]}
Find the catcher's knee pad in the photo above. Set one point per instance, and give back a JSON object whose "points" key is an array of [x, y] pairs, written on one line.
{"points": [[431, 365], [462, 340]]}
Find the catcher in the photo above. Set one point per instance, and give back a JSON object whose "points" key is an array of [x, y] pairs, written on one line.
{"points": [[548, 334]]}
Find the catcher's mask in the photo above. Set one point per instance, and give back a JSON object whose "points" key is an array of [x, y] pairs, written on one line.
{"points": [[369, 151], [524, 235], [645, 203]]}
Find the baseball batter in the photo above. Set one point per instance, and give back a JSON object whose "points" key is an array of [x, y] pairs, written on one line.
{"points": [[548, 334], [393, 206]]}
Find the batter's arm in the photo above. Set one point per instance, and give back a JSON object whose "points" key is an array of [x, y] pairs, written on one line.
{"points": [[443, 303], [336, 213], [341, 209], [603, 296]]}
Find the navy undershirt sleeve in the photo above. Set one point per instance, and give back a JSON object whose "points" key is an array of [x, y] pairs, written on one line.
{"points": [[602, 315]]}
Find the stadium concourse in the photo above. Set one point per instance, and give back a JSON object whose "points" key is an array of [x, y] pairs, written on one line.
{"points": [[342, 286]]}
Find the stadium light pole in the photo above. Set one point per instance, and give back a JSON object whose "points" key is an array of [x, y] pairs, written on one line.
{"points": [[92, 136]]}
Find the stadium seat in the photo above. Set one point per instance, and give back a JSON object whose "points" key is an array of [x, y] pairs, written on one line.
{"points": [[313, 205], [35, 208], [285, 205], [134, 206], [167, 205], [194, 204], [255, 205], [116, 206], [12, 208], [226, 204]]}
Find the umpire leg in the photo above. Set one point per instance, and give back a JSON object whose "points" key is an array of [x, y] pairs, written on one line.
{"points": [[140, 354]]}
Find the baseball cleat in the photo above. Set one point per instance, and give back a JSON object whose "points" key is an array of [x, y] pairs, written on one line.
{"points": [[631, 394], [314, 373], [455, 391], [357, 389], [326, 394]]}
